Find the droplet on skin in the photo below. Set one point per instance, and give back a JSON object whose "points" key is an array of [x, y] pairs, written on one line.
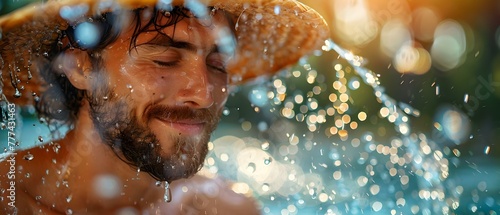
{"points": [[17, 94], [56, 147], [28, 157]]}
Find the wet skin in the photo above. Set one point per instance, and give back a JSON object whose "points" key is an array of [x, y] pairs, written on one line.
{"points": [[190, 74]]}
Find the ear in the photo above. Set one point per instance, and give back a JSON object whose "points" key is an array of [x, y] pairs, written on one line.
{"points": [[76, 65]]}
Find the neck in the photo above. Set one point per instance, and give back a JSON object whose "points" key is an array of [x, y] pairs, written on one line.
{"points": [[94, 178]]}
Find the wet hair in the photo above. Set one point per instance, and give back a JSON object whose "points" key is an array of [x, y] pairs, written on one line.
{"points": [[61, 101]]}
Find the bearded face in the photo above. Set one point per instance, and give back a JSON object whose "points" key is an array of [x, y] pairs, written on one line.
{"points": [[135, 143], [157, 103]]}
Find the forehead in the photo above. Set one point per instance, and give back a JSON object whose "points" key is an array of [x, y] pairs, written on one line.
{"points": [[181, 24]]}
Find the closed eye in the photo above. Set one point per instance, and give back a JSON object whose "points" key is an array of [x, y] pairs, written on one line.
{"points": [[165, 63], [218, 62], [219, 68]]}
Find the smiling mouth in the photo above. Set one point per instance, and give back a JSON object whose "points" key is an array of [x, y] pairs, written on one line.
{"points": [[185, 127]]}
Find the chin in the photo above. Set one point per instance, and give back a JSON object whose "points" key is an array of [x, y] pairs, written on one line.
{"points": [[184, 158]]}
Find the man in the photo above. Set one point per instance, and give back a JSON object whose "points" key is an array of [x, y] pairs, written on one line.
{"points": [[141, 86]]}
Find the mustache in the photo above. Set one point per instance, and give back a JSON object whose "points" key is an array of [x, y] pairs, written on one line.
{"points": [[173, 114]]}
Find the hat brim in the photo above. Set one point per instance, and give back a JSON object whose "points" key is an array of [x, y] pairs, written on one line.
{"points": [[270, 34]]}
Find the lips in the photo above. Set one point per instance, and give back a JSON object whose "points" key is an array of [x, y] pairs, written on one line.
{"points": [[181, 119], [186, 127]]}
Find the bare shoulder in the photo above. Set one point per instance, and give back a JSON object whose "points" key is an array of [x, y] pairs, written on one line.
{"points": [[202, 195], [14, 171]]}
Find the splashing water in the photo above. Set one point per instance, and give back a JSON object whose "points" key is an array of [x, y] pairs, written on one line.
{"points": [[429, 163], [406, 175]]}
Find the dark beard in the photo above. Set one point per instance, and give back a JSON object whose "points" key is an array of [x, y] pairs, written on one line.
{"points": [[136, 145]]}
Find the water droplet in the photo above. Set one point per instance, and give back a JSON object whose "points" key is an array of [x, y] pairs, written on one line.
{"points": [[17, 94], [197, 8], [56, 147], [28, 157], [73, 13], [251, 167], [264, 146], [68, 199], [265, 187], [69, 212], [65, 183], [107, 186], [87, 34], [167, 197], [40, 138], [258, 16], [487, 150], [268, 161], [236, 78], [277, 9]]}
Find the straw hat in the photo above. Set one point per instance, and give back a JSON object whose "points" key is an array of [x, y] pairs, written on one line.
{"points": [[271, 35]]}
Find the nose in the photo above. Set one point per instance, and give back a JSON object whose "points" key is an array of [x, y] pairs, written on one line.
{"points": [[195, 87]]}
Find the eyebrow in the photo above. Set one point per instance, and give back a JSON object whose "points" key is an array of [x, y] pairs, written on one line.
{"points": [[166, 41]]}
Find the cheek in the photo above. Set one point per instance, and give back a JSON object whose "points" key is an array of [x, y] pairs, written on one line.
{"points": [[220, 91], [136, 81]]}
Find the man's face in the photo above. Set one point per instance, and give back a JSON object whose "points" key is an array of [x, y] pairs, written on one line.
{"points": [[158, 103]]}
